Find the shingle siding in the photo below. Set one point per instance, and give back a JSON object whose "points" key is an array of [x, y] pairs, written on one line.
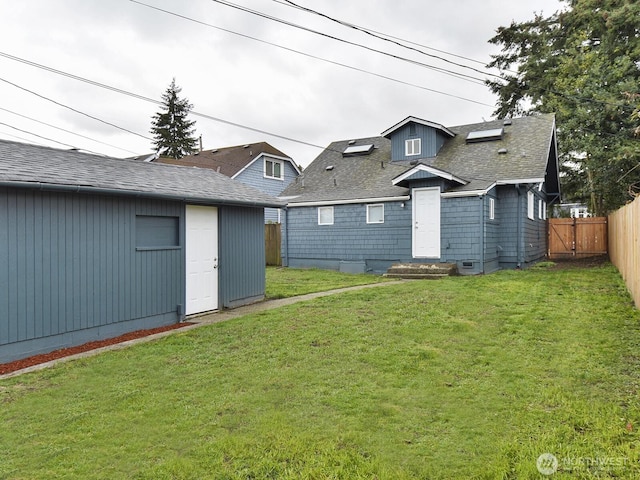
{"points": [[431, 142]]}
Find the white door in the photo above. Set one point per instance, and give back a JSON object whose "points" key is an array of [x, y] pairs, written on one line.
{"points": [[201, 249], [426, 223]]}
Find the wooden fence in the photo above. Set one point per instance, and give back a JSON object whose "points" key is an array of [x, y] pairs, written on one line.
{"points": [[272, 239], [624, 245], [577, 237]]}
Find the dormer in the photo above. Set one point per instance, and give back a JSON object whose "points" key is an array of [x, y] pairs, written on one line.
{"points": [[415, 139]]}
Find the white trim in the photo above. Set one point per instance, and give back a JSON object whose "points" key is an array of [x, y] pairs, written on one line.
{"points": [[263, 154], [468, 193], [492, 208], [432, 170], [319, 216], [420, 121], [531, 205], [348, 202], [375, 205], [517, 181], [414, 151], [274, 162]]}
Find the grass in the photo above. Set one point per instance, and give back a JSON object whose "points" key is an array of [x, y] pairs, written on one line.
{"points": [[291, 282], [468, 377]]}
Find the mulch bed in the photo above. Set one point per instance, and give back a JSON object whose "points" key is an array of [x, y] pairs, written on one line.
{"points": [[65, 352]]}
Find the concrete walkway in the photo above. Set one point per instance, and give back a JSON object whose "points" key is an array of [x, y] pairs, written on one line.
{"points": [[199, 321]]}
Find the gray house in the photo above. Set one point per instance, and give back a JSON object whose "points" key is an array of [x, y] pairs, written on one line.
{"points": [[473, 195], [258, 165], [93, 247]]}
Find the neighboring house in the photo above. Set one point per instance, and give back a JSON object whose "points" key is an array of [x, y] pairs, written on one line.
{"points": [[474, 195], [258, 165], [94, 247], [571, 210]]}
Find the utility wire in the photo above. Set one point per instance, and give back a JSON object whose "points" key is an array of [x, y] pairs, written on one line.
{"points": [[73, 109], [348, 42], [65, 130], [383, 37], [350, 67], [48, 139], [462, 57]]}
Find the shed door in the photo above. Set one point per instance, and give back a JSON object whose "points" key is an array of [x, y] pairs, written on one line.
{"points": [[201, 258], [426, 223]]}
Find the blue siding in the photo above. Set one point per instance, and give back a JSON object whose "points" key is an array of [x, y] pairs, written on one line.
{"points": [[242, 255], [491, 234], [350, 239], [431, 141], [253, 176], [71, 271], [461, 233]]}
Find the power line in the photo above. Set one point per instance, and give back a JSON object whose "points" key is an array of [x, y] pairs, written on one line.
{"points": [[65, 130], [73, 109], [381, 36], [348, 42], [48, 139], [350, 67]]}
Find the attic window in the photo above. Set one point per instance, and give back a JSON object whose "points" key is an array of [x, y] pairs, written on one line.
{"points": [[485, 135], [355, 150]]}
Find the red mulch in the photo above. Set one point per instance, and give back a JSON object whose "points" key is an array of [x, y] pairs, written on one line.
{"points": [[65, 352]]}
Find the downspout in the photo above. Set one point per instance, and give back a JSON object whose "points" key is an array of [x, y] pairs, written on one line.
{"points": [[519, 229]]}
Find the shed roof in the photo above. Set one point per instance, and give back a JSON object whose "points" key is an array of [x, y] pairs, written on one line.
{"points": [[24, 165], [228, 160]]}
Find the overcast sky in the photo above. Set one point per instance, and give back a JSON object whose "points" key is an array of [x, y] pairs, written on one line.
{"points": [[137, 49]]}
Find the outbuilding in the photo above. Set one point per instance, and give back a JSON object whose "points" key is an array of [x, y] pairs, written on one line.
{"points": [[92, 247]]}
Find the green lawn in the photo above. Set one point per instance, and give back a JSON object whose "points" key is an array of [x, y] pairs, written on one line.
{"points": [[467, 377]]}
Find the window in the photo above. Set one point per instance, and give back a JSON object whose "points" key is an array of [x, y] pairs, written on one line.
{"points": [[157, 232], [375, 213], [412, 146], [530, 205], [325, 215], [273, 169], [544, 210], [492, 209]]}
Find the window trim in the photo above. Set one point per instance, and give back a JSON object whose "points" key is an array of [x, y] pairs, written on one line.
{"points": [[368, 214], [273, 162], [320, 209], [413, 142], [530, 205], [492, 208]]}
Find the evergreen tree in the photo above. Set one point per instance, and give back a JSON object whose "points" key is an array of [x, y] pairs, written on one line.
{"points": [[173, 132], [583, 64]]}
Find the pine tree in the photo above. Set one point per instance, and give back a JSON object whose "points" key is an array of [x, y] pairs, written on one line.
{"points": [[173, 132], [582, 64]]}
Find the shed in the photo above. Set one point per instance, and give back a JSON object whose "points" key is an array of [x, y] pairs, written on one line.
{"points": [[93, 247]]}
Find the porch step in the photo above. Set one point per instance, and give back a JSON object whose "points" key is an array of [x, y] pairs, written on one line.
{"points": [[421, 270]]}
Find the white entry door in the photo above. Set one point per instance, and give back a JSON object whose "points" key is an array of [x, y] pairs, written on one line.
{"points": [[201, 249], [426, 222]]}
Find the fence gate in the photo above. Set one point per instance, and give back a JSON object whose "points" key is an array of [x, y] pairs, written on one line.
{"points": [[272, 238], [577, 237]]}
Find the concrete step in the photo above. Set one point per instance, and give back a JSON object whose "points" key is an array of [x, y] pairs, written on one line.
{"points": [[422, 270]]}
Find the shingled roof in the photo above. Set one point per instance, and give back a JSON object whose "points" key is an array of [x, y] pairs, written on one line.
{"points": [[522, 153], [23, 165], [228, 160]]}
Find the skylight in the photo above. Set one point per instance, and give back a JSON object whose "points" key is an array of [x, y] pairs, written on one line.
{"points": [[485, 135], [354, 150]]}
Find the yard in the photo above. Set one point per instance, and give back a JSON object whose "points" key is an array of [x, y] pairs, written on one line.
{"points": [[467, 377]]}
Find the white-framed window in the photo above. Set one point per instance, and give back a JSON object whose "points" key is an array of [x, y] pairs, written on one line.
{"points": [[325, 215], [531, 205], [375, 213], [544, 210], [540, 210], [492, 209], [273, 168], [412, 146]]}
